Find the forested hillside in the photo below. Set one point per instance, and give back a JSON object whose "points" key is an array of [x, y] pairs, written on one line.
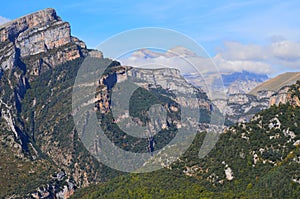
{"points": [[259, 159]]}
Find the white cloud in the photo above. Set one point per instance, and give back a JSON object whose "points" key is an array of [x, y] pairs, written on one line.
{"points": [[271, 57], [232, 57], [180, 58], [286, 50], [238, 51], [184, 64], [3, 20], [254, 66]]}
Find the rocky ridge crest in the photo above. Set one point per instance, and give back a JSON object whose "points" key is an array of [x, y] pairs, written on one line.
{"points": [[40, 39]]}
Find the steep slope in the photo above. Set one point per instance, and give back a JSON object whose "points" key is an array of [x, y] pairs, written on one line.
{"points": [[39, 36], [39, 64], [162, 105], [32, 82], [277, 83], [242, 82], [228, 79], [259, 159], [241, 107], [42, 153]]}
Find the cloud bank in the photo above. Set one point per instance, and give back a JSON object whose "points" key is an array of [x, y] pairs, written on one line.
{"points": [[275, 57]]}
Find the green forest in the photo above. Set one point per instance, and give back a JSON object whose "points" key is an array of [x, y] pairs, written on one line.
{"points": [[262, 154]]}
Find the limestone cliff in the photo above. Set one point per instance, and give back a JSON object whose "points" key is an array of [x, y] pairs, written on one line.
{"points": [[284, 96], [164, 90], [40, 39], [242, 107], [31, 49], [39, 62]]}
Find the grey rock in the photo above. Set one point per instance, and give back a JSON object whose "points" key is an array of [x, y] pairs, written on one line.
{"points": [[41, 40]]}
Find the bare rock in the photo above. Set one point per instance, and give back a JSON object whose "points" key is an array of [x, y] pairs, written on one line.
{"points": [[41, 40]]}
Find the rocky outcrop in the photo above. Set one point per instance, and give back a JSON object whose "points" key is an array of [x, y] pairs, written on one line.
{"points": [[170, 95], [242, 82], [241, 86], [242, 107], [60, 188], [169, 81], [30, 46], [265, 94], [284, 96], [36, 100], [238, 99], [40, 40]]}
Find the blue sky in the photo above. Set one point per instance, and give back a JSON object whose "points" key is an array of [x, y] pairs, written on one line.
{"points": [[216, 25]]}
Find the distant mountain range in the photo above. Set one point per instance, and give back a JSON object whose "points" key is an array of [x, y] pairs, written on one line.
{"points": [[234, 82], [246, 76], [42, 153], [277, 82]]}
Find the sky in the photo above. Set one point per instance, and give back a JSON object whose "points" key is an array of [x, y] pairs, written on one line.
{"points": [[261, 35]]}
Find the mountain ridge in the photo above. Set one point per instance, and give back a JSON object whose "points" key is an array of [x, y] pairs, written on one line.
{"points": [[42, 153], [39, 64], [276, 83], [255, 159], [244, 75], [36, 51]]}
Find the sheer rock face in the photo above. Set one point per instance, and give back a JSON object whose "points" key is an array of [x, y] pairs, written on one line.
{"points": [[242, 107], [39, 19], [30, 46], [168, 79], [43, 37], [283, 96]]}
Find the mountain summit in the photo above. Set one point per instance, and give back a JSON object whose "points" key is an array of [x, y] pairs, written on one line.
{"points": [[39, 60], [43, 35], [43, 153]]}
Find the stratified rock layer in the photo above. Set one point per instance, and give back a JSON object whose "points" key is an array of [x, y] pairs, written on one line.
{"points": [[40, 39]]}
